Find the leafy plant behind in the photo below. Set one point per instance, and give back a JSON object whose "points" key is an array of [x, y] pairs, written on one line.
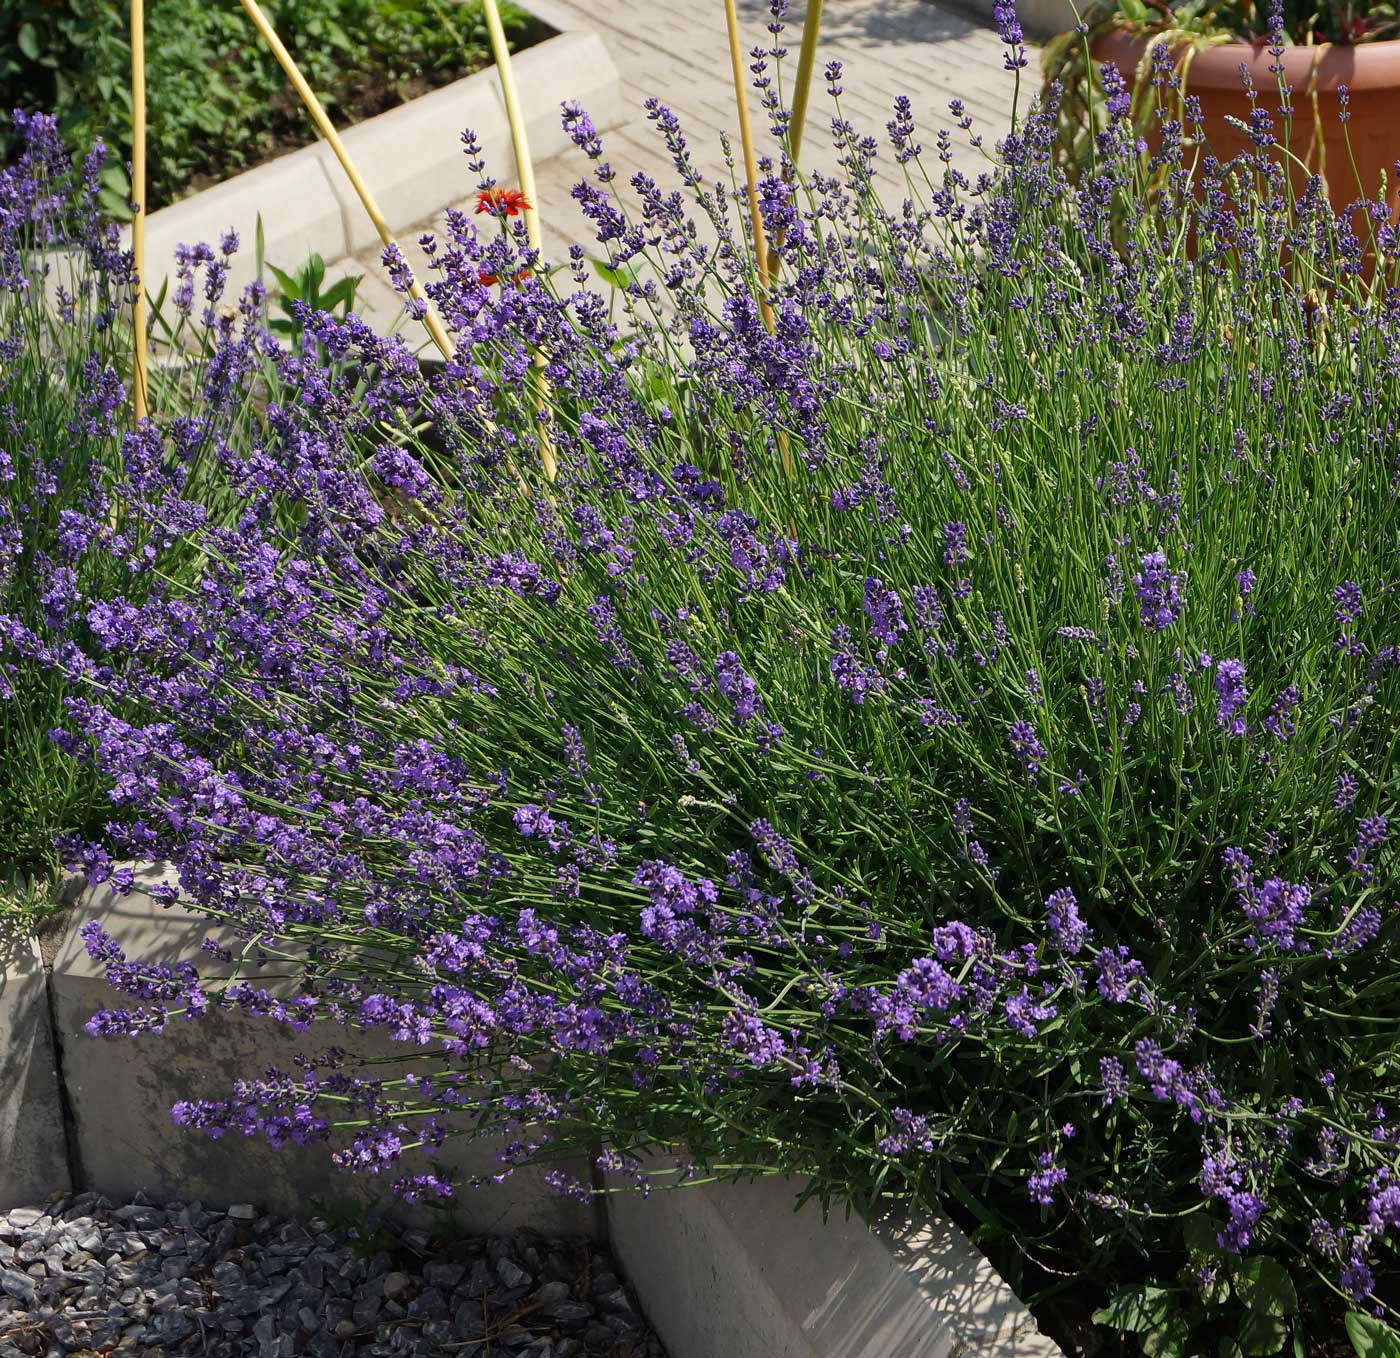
{"points": [[217, 101]]}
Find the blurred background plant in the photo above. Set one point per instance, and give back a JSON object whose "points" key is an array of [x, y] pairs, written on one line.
{"points": [[25, 899], [305, 286], [217, 101], [1184, 28]]}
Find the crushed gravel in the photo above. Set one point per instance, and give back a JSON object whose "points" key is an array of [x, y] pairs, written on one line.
{"points": [[86, 1276]]}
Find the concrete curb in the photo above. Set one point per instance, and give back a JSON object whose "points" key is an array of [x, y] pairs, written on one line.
{"points": [[411, 157], [731, 1269], [722, 1269]]}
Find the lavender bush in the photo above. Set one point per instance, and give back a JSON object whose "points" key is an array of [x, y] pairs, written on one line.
{"points": [[991, 811], [65, 356]]}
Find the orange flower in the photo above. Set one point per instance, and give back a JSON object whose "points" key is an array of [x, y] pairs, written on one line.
{"points": [[501, 202], [489, 279]]}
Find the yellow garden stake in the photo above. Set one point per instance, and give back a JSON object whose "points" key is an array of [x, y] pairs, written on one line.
{"points": [[138, 196], [519, 139], [736, 60], [326, 128], [525, 168], [806, 64], [760, 248]]}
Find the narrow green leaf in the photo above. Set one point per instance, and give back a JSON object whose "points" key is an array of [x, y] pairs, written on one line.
{"points": [[288, 284]]}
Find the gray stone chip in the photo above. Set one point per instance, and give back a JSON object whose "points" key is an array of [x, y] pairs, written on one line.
{"points": [[148, 1280]]}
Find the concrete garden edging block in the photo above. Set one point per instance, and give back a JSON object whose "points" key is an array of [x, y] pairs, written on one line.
{"points": [[120, 1092], [33, 1144], [724, 1270], [411, 157], [730, 1269]]}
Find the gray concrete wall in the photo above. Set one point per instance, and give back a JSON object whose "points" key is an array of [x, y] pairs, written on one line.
{"points": [[411, 158], [33, 1148], [730, 1269], [121, 1091]]}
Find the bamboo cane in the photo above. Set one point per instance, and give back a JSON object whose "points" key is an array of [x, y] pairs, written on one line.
{"points": [[806, 64], [525, 168], [138, 195], [519, 138], [326, 128], [760, 247], [736, 61]]}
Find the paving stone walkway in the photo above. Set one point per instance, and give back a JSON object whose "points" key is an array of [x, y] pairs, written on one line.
{"points": [[678, 51]]}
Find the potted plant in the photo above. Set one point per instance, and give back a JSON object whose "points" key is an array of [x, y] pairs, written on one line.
{"points": [[1325, 72]]}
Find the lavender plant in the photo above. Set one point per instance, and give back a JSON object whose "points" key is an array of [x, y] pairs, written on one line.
{"points": [[59, 390], [993, 812], [66, 287]]}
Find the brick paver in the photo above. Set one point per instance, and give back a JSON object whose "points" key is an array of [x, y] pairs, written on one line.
{"points": [[677, 51]]}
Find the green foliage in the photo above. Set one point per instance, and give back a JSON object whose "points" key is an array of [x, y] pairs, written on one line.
{"points": [[217, 100], [24, 900], [64, 413], [1304, 21], [1372, 1338], [305, 286], [1236, 1308], [1185, 27]]}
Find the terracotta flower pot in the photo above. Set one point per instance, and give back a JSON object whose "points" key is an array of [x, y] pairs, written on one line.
{"points": [[1369, 71]]}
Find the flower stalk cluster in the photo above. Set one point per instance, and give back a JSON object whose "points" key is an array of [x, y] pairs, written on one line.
{"points": [[886, 823]]}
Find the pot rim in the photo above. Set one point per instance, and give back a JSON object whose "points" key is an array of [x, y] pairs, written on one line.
{"points": [[1359, 66]]}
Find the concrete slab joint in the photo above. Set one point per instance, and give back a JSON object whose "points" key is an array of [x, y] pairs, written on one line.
{"points": [[411, 157], [33, 1146]]}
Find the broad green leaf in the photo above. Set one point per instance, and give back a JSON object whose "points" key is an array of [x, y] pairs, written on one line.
{"points": [[341, 294], [621, 277], [1199, 1232], [288, 284], [1137, 1309], [116, 205], [1217, 1291], [1261, 1334], [28, 41], [1370, 1337], [1167, 1341], [1264, 1286]]}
